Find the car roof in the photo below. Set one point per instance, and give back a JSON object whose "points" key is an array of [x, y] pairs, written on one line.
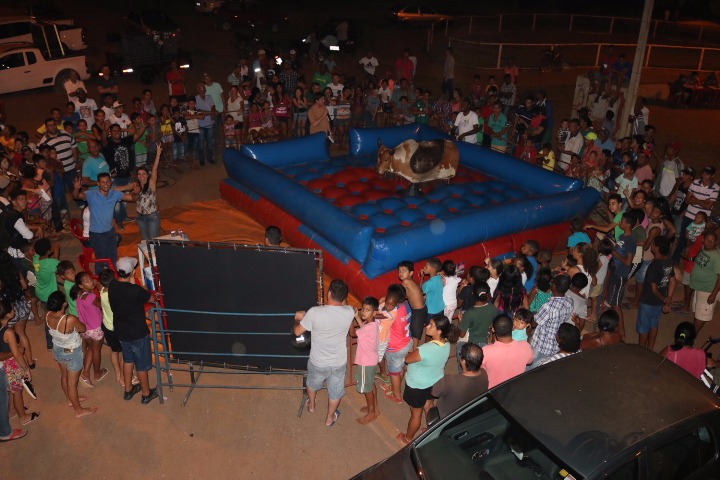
{"points": [[7, 47], [590, 406]]}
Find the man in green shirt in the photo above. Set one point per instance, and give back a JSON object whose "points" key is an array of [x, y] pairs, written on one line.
{"points": [[705, 280]]}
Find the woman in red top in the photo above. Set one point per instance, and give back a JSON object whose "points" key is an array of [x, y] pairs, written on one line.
{"points": [[176, 83], [682, 353]]}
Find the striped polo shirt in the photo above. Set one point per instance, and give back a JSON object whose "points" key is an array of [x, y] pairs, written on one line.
{"points": [[64, 145], [702, 192]]}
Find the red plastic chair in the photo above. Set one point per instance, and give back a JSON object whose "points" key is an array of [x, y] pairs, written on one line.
{"points": [[88, 265]]}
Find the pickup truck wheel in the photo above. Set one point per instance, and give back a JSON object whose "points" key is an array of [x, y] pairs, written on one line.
{"points": [[61, 78]]}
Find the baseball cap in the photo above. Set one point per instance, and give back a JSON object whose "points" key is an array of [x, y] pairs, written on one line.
{"points": [[605, 131], [675, 146], [126, 265], [26, 149], [689, 171], [118, 103], [591, 136], [715, 219], [709, 170], [80, 90]]}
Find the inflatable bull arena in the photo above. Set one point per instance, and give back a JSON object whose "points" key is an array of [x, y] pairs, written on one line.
{"points": [[366, 213]]}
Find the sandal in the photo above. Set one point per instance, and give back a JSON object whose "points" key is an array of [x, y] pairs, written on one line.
{"points": [[103, 374], [15, 435], [336, 415], [389, 395], [33, 416], [87, 382]]}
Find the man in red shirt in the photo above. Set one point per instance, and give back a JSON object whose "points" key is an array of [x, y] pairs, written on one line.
{"points": [[404, 66]]}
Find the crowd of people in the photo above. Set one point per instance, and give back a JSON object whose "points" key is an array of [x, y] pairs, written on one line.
{"points": [[506, 316]]}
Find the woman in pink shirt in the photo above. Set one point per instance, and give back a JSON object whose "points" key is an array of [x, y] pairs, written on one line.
{"points": [[90, 313], [682, 352]]}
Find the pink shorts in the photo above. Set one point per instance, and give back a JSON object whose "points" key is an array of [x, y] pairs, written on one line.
{"points": [[14, 374], [94, 334]]}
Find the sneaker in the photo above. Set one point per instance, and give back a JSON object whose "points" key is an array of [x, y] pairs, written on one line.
{"points": [[149, 398], [133, 391], [27, 384]]}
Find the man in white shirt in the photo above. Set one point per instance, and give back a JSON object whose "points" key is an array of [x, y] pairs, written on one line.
{"points": [[572, 145], [85, 107], [120, 118], [369, 64], [467, 124], [670, 170]]}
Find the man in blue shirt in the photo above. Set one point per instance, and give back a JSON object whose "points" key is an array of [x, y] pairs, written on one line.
{"points": [[93, 165], [101, 202]]}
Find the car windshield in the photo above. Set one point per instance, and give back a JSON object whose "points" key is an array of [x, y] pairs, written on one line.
{"points": [[484, 442]]}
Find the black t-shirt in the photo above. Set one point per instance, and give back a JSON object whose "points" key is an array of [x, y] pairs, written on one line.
{"points": [[679, 205], [127, 301], [659, 273], [120, 156]]}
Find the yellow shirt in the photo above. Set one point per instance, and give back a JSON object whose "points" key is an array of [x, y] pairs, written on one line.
{"points": [[548, 160]]}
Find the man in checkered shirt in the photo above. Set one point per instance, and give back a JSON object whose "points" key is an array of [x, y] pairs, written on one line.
{"points": [[556, 311]]}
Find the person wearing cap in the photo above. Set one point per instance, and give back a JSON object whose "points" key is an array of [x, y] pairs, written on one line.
{"points": [[670, 171], [590, 147], [119, 117], [107, 83], [127, 301], [72, 84], [701, 196], [676, 200], [85, 107]]}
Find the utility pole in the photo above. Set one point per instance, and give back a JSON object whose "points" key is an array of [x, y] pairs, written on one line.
{"points": [[638, 62]]}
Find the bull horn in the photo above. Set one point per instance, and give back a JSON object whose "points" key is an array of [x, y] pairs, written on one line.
{"points": [[379, 142], [392, 152]]}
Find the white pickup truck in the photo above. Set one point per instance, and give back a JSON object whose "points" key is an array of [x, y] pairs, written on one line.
{"points": [[24, 66], [29, 29]]}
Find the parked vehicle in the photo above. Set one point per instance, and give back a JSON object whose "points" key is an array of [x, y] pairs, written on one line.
{"points": [[24, 66], [621, 412], [241, 13], [26, 29], [208, 6], [141, 55], [409, 14], [153, 23]]}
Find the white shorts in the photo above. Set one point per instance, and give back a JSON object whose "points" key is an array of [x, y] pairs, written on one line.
{"points": [[703, 310], [686, 278]]}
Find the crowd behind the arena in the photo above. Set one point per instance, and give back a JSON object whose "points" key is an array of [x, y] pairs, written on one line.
{"points": [[506, 315]]}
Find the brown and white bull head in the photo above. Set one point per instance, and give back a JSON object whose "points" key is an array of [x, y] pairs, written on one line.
{"points": [[385, 158]]}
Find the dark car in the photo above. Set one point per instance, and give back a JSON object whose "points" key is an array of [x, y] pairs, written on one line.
{"points": [[620, 413], [241, 13], [154, 23]]}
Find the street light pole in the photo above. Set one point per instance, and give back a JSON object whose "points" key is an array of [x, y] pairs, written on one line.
{"points": [[638, 62]]}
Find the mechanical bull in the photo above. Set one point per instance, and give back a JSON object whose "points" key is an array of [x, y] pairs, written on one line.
{"points": [[419, 162]]}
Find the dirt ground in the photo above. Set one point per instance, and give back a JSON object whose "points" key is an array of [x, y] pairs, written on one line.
{"points": [[223, 433]]}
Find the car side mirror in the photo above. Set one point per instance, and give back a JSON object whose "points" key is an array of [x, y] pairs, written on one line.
{"points": [[433, 417]]}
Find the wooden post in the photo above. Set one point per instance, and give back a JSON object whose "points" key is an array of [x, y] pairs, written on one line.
{"points": [[499, 56]]}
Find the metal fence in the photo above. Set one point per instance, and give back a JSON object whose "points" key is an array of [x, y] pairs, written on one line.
{"points": [[489, 55], [683, 31]]}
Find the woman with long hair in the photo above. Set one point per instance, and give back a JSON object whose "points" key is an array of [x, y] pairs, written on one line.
{"points": [[12, 288], [16, 367], [682, 352], [510, 293], [148, 217], [282, 107], [426, 365], [67, 350], [300, 109]]}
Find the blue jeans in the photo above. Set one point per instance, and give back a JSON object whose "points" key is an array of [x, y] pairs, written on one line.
{"points": [[105, 245], [58, 191], [120, 214], [682, 239], [193, 144], [206, 146], [648, 317], [149, 225], [178, 150], [5, 429]]}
